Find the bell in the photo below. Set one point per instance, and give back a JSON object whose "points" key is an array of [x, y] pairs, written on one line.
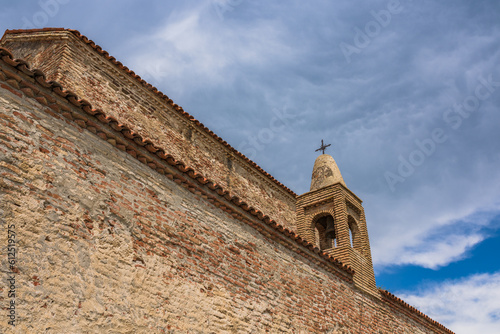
{"points": [[330, 228]]}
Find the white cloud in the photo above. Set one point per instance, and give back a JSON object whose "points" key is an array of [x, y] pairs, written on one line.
{"points": [[195, 47], [469, 305], [439, 253], [436, 220]]}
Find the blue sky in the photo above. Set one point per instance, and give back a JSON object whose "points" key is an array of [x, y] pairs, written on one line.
{"points": [[407, 93]]}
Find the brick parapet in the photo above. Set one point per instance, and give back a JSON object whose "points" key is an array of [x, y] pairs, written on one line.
{"points": [[93, 74]]}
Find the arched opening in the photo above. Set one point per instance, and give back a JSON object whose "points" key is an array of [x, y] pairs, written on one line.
{"points": [[353, 232], [325, 232]]}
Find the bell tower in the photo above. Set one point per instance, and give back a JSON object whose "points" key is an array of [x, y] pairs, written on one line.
{"points": [[331, 217]]}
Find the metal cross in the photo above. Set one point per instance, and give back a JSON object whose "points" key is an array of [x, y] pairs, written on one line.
{"points": [[323, 147]]}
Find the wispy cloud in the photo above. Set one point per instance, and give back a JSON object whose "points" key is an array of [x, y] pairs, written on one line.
{"points": [[193, 46], [438, 252], [468, 305], [442, 233]]}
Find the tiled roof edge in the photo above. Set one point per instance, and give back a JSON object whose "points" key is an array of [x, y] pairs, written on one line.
{"points": [[401, 302], [153, 89], [20, 87]]}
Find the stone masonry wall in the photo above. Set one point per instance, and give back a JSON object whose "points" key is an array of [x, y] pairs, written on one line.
{"points": [[108, 245], [81, 69]]}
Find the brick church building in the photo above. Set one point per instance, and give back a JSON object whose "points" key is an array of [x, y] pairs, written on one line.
{"points": [[128, 215]]}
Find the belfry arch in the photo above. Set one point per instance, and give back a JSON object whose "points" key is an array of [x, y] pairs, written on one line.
{"points": [[323, 226], [353, 232]]}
